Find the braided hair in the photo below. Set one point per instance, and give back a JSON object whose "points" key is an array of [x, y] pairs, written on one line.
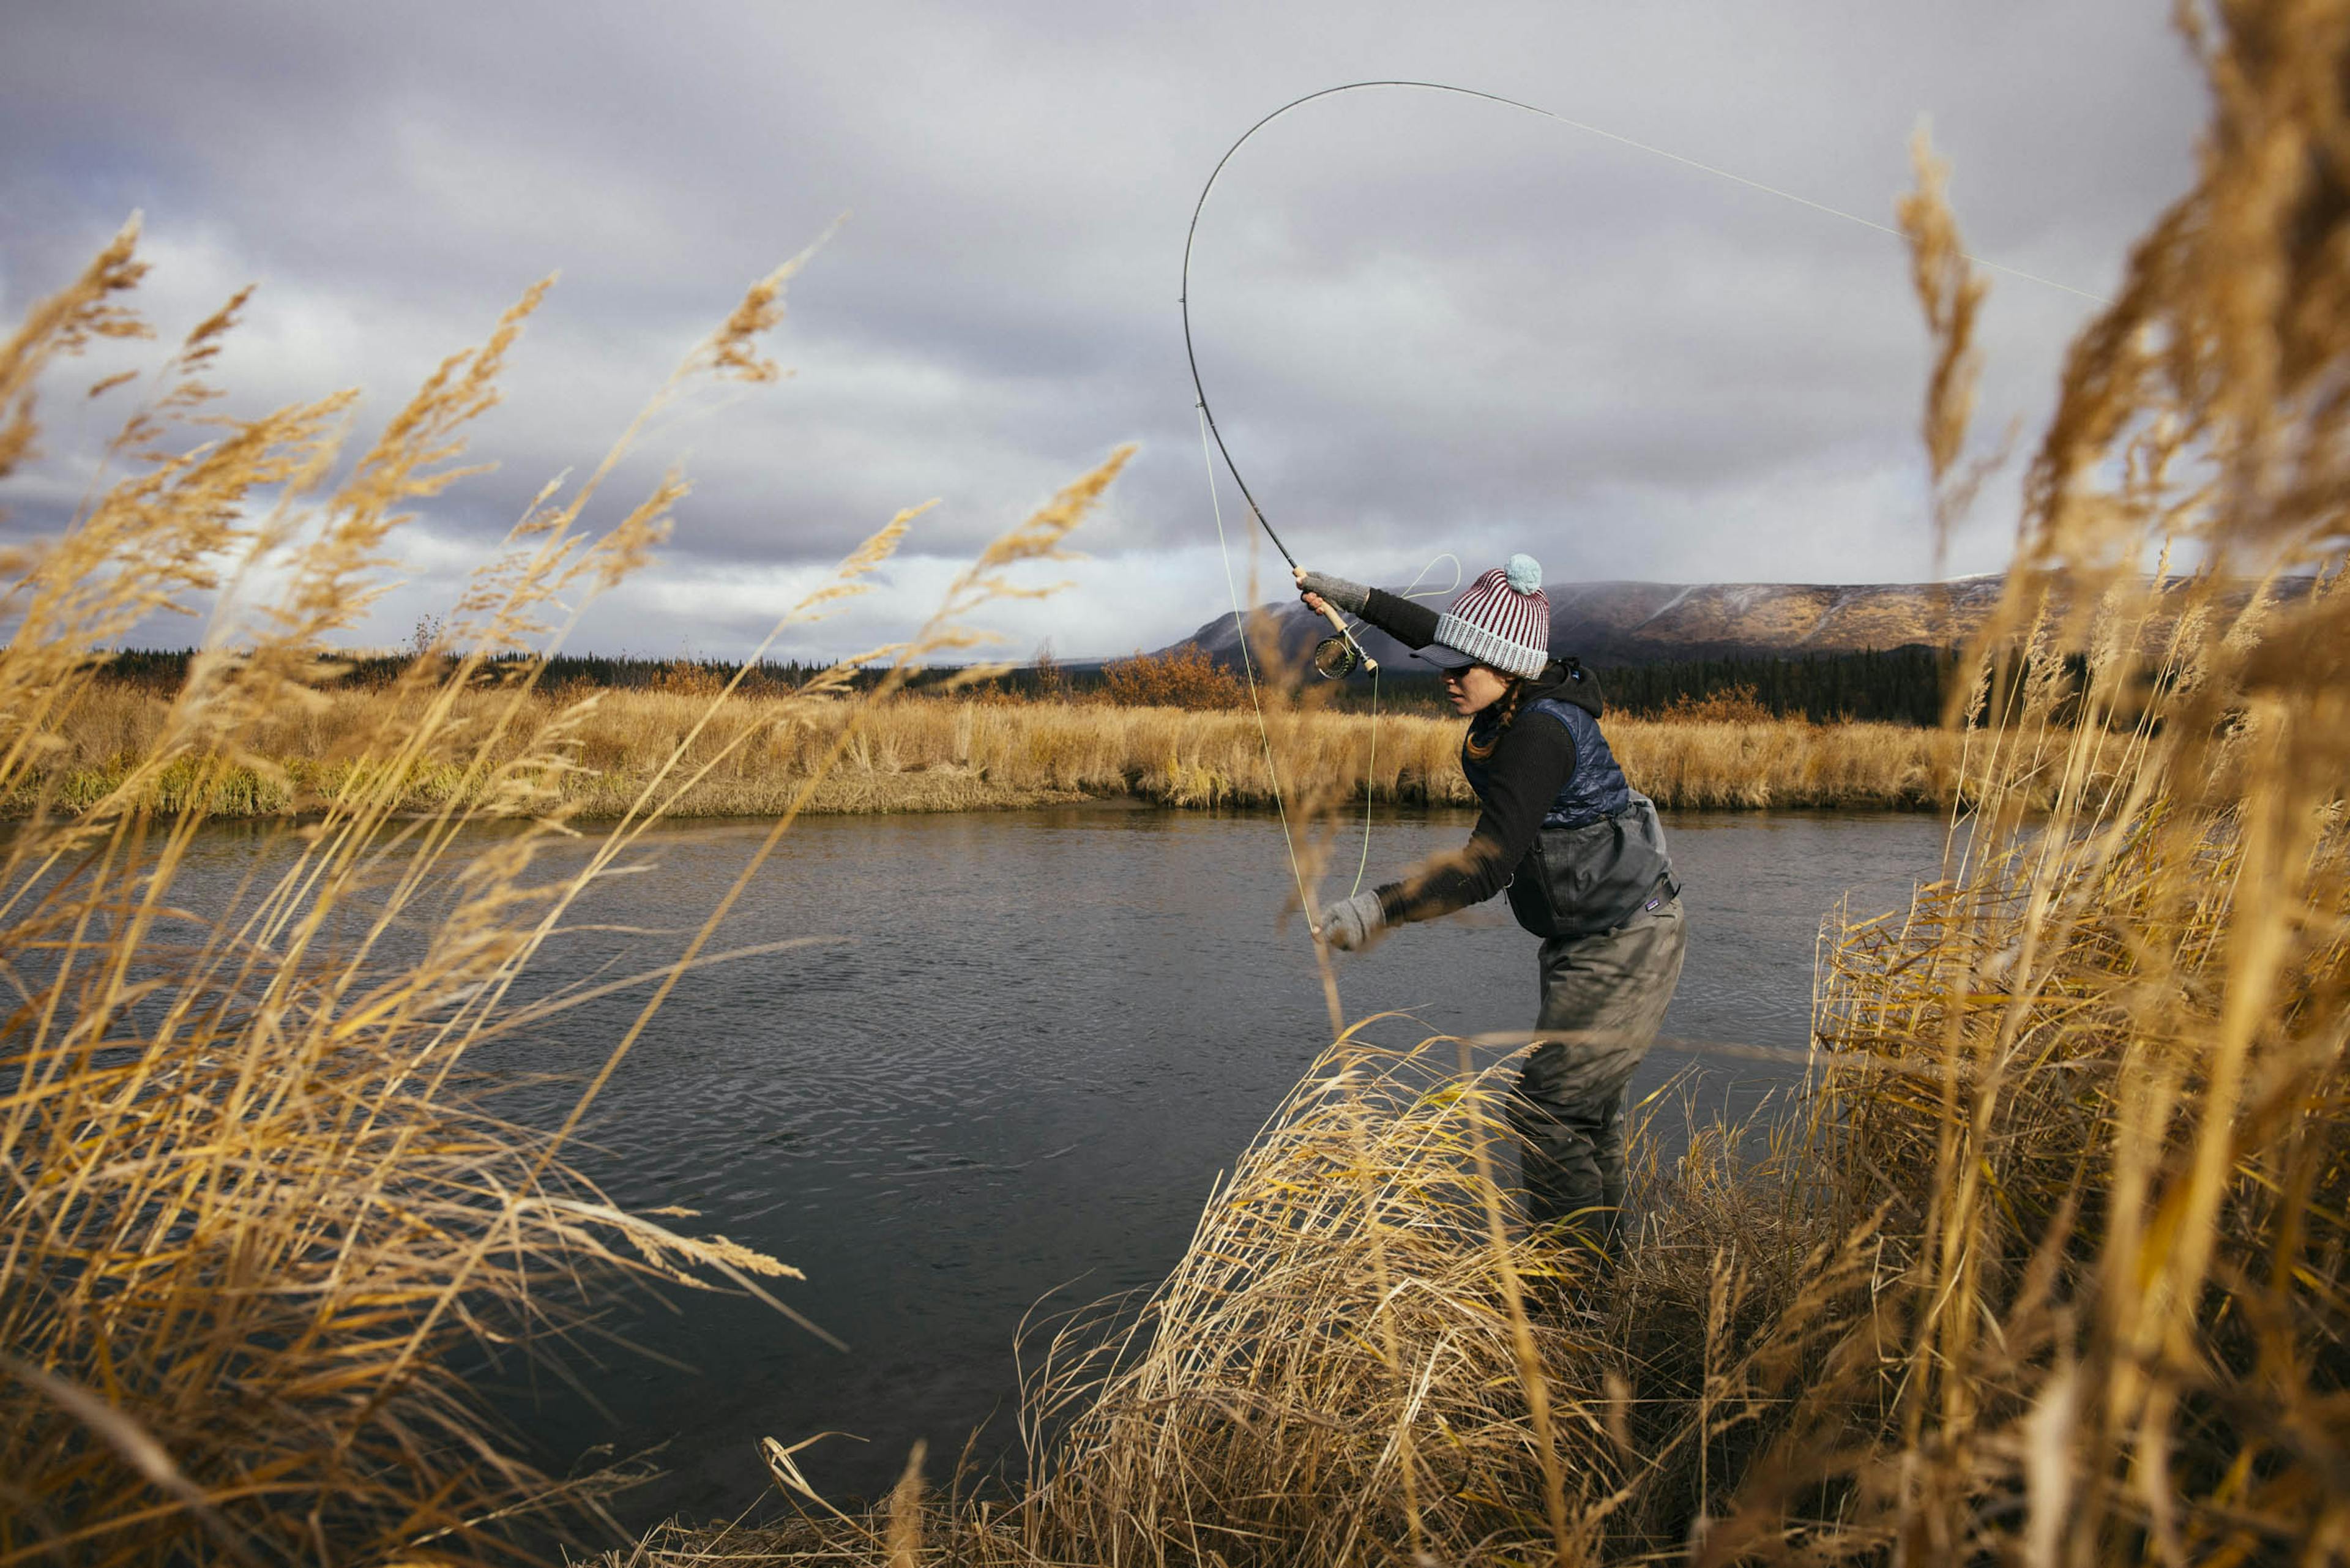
{"points": [[1505, 713]]}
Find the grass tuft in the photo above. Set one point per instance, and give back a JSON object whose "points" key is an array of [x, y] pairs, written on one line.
{"points": [[258, 1229]]}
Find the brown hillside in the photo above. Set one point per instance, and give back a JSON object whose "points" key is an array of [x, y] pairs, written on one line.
{"points": [[1651, 623]]}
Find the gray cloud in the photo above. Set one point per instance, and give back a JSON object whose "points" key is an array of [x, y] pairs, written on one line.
{"points": [[1426, 323]]}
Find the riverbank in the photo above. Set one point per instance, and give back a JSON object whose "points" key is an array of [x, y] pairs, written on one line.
{"points": [[754, 756]]}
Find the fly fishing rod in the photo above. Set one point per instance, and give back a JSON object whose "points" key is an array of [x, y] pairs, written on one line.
{"points": [[1341, 654]]}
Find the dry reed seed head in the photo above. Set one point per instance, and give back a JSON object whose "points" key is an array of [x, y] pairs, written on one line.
{"points": [[541, 516], [847, 578], [628, 547], [1950, 291], [204, 340], [184, 391], [65, 324], [1037, 537], [732, 352], [85, 310], [1041, 536]]}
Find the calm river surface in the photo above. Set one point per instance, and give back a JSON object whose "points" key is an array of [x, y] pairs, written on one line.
{"points": [[1042, 1036]]}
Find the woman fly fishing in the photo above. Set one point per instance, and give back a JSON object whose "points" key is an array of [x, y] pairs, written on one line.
{"points": [[1582, 855]]}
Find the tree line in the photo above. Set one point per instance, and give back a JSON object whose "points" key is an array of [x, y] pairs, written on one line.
{"points": [[1899, 686]]}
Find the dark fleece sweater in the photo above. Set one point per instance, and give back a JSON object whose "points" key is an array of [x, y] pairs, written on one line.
{"points": [[1532, 761]]}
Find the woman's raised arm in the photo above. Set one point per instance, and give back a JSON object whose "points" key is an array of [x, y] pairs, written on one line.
{"points": [[1406, 620]]}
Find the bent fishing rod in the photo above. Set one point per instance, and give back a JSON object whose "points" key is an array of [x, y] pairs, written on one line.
{"points": [[1339, 655]]}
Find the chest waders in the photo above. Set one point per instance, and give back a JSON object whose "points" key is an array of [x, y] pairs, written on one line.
{"points": [[1597, 886]]}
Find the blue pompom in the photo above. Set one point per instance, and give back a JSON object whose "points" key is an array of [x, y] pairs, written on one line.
{"points": [[1525, 573]]}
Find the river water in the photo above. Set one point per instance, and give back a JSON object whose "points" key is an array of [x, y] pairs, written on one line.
{"points": [[1035, 1041], [1040, 1038]]}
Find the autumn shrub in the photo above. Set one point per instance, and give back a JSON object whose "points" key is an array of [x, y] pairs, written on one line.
{"points": [[1181, 676], [1730, 705]]}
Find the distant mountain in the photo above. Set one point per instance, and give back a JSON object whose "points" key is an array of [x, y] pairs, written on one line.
{"points": [[1651, 623]]}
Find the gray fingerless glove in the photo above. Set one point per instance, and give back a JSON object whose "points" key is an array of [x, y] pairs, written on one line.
{"points": [[1349, 925], [1352, 597]]}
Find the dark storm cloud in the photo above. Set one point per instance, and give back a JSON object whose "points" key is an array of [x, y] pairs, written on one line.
{"points": [[1426, 323]]}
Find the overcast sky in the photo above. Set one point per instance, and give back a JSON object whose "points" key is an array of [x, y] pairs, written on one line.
{"points": [[1425, 322]]}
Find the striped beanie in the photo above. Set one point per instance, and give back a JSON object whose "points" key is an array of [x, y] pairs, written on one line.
{"points": [[1502, 619]]}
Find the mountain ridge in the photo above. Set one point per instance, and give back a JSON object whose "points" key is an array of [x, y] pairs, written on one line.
{"points": [[1634, 622]]}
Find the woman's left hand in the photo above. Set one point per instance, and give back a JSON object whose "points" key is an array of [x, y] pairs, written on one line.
{"points": [[1349, 925]]}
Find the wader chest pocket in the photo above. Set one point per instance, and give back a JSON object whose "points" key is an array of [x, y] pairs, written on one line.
{"points": [[1575, 881]]}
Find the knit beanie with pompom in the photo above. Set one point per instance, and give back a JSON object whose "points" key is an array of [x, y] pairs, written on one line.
{"points": [[1502, 619]]}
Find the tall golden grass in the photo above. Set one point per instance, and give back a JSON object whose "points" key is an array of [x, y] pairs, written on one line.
{"points": [[754, 753], [255, 1228], [2056, 1267]]}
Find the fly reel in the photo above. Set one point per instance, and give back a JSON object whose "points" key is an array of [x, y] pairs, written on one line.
{"points": [[1336, 657]]}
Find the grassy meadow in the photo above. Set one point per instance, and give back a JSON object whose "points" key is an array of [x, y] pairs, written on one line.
{"points": [[753, 755], [2052, 1266]]}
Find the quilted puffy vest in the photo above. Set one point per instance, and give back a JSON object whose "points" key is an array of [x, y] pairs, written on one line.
{"points": [[1600, 853]]}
